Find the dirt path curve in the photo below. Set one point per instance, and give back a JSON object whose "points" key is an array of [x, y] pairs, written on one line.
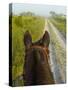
{"points": [[53, 62]]}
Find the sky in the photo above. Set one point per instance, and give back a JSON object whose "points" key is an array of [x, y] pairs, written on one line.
{"points": [[39, 9]]}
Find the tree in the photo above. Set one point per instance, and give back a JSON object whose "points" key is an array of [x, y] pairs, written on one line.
{"points": [[52, 13], [27, 14]]}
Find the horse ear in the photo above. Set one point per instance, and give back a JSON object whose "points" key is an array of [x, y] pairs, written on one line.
{"points": [[46, 39], [27, 39]]}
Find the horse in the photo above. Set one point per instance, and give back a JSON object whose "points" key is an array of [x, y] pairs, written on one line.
{"points": [[37, 70]]}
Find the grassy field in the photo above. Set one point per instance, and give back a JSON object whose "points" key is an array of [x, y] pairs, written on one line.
{"points": [[20, 24], [60, 23]]}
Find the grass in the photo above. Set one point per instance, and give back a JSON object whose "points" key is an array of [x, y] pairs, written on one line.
{"points": [[20, 24]]}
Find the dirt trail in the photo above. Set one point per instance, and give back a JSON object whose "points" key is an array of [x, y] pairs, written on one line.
{"points": [[56, 31], [59, 35], [53, 62]]}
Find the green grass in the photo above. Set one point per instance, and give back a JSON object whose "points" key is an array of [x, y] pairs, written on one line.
{"points": [[60, 23], [20, 24]]}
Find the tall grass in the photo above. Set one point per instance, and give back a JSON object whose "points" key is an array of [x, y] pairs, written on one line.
{"points": [[20, 24]]}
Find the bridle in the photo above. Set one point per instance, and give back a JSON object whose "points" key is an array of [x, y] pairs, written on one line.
{"points": [[45, 50]]}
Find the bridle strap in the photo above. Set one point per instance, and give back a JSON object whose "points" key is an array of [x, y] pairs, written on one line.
{"points": [[45, 49]]}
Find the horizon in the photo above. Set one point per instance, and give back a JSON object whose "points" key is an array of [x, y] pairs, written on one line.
{"points": [[38, 9]]}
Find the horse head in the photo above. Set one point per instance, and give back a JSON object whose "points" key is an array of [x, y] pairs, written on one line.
{"points": [[36, 66]]}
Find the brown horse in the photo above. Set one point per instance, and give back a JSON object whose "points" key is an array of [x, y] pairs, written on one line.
{"points": [[36, 68]]}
